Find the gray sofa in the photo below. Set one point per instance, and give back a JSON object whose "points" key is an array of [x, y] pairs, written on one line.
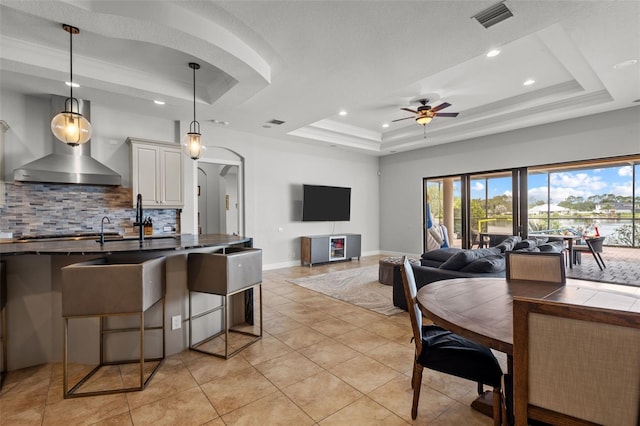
{"points": [[449, 263]]}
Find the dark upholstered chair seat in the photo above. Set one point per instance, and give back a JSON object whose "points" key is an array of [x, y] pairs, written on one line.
{"points": [[450, 353], [439, 349]]}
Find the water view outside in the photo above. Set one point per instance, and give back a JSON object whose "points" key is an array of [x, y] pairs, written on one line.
{"points": [[581, 201], [587, 201]]}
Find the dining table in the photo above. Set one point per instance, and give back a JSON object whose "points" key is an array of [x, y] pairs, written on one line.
{"points": [[481, 309]]}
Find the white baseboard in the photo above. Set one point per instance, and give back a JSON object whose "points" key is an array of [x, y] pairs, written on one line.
{"points": [[296, 262]]}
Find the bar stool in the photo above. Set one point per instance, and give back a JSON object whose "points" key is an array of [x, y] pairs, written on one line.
{"points": [[113, 287], [226, 273]]}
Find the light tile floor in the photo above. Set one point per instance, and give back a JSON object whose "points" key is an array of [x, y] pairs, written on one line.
{"points": [[321, 362]]}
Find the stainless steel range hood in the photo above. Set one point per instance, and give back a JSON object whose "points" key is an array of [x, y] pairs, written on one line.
{"points": [[68, 164]]}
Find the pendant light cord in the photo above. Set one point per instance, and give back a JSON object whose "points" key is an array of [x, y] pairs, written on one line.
{"points": [[71, 64], [194, 127], [194, 93]]}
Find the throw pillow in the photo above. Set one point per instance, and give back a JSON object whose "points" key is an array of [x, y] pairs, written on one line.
{"points": [[441, 255], [534, 249], [464, 257], [509, 243], [495, 263], [552, 246], [525, 244]]}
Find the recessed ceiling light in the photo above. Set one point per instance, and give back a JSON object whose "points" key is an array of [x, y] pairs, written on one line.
{"points": [[68, 83], [385, 125], [220, 122], [492, 53], [266, 126], [625, 64], [529, 82], [343, 113], [158, 102]]}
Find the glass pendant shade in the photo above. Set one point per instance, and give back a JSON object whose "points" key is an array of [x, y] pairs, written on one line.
{"points": [[71, 128], [423, 120], [192, 145]]}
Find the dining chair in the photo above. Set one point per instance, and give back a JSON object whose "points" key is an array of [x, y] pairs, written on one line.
{"points": [[444, 351], [593, 246], [535, 266], [575, 365]]}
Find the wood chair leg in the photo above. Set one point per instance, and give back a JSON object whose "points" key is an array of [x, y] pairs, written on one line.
{"points": [[497, 407], [416, 383]]}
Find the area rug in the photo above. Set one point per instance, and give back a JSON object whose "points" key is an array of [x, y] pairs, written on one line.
{"points": [[358, 286]]}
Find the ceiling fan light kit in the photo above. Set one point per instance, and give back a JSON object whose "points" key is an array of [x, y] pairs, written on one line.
{"points": [[69, 126], [423, 120], [424, 113]]}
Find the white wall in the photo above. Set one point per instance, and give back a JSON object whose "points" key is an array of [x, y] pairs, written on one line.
{"points": [[274, 172], [604, 135]]}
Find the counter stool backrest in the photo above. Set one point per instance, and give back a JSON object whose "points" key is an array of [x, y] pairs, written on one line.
{"points": [[575, 364], [536, 266]]}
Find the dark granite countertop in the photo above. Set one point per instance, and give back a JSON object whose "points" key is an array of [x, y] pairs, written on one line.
{"points": [[127, 245]]}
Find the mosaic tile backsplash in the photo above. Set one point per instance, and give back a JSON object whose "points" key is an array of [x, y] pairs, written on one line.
{"points": [[49, 209]]}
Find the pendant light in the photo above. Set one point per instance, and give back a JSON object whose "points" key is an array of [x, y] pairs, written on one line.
{"points": [[192, 144], [70, 126]]}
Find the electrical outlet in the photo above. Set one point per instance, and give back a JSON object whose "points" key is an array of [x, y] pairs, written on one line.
{"points": [[176, 322]]}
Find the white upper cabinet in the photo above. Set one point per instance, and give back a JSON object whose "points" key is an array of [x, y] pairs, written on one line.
{"points": [[156, 173]]}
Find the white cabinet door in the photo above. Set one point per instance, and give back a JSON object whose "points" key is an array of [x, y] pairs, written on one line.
{"points": [[146, 174], [171, 167], [156, 173]]}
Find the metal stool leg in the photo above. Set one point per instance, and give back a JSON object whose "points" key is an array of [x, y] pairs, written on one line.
{"points": [[73, 392]]}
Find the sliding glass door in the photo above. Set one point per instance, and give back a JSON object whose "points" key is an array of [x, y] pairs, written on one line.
{"points": [[584, 198], [587, 199], [491, 204], [443, 202]]}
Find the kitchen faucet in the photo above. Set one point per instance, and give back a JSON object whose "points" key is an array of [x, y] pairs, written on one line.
{"points": [[139, 218], [102, 229]]}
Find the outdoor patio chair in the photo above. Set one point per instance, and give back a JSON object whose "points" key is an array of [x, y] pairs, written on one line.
{"points": [[593, 246], [575, 365], [444, 351]]}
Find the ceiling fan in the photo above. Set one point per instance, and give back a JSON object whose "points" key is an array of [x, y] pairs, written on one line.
{"points": [[424, 114]]}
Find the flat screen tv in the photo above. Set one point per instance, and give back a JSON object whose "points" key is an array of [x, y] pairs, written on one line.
{"points": [[325, 203]]}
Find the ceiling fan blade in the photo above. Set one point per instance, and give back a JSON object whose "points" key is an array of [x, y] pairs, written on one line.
{"points": [[447, 114], [400, 119], [441, 106], [410, 110]]}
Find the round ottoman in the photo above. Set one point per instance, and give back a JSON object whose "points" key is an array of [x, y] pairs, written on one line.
{"points": [[389, 270]]}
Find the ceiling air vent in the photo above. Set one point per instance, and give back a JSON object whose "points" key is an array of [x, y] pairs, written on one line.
{"points": [[276, 122], [492, 15]]}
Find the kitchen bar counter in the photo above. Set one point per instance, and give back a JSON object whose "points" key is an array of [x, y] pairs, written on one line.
{"points": [[34, 281], [124, 245]]}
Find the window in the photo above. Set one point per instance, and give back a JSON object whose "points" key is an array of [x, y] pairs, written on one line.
{"points": [[585, 198]]}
